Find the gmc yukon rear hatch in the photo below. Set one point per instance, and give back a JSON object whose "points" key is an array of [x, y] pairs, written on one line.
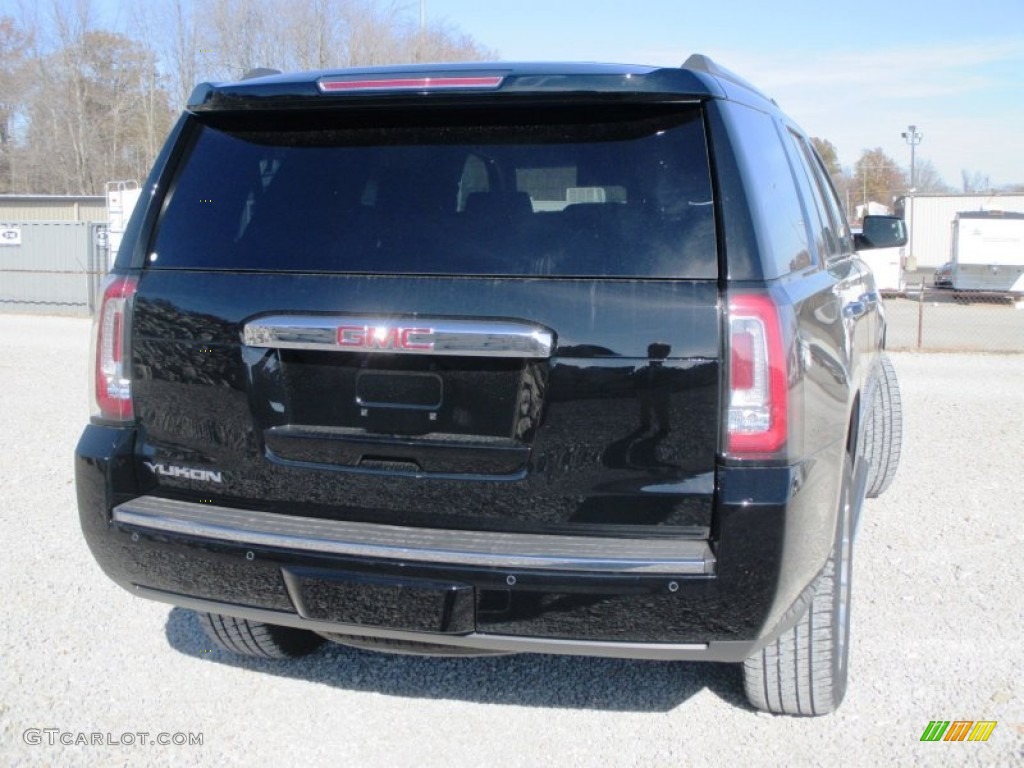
{"points": [[490, 322]]}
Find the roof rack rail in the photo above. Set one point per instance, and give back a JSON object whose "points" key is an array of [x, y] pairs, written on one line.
{"points": [[701, 63]]}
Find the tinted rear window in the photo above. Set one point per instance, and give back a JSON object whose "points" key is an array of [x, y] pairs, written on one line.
{"points": [[625, 195]]}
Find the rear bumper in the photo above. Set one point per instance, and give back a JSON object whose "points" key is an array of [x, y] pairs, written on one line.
{"points": [[487, 643], [656, 598], [448, 548]]}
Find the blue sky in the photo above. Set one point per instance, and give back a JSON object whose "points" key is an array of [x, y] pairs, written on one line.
{"points": [[854, 76]]}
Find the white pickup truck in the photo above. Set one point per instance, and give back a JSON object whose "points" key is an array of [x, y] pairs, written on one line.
{"points": [[881, 244]]}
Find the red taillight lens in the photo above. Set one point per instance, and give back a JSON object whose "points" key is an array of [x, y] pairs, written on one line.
{"points": [[112, 377], [758, 382], [744, 345]]}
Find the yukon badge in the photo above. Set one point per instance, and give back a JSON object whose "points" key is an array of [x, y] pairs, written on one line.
{"points": [[188, 473]]}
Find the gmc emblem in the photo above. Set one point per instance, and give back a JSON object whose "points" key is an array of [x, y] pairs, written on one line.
{"points": [[370, 337]]}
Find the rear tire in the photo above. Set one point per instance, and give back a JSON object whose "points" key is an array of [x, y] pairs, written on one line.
{"points": [[804, 671], [256, 639], [883, 429]]}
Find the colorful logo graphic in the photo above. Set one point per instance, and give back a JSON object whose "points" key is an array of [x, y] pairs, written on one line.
{"points": [[958, 730]]}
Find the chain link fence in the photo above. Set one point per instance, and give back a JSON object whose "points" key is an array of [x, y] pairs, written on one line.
{"points": [[947, 320]]}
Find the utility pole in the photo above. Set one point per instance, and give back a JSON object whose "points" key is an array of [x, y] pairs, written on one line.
{"points": [[913, 138], [423, 26]]}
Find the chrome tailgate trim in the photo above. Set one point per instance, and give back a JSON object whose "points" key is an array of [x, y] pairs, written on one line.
{"points": [[410, 336]]}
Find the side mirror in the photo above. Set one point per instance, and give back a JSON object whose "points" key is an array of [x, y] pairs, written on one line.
{"points": [[881, 232]]}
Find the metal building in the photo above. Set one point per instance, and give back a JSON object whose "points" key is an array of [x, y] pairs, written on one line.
{"points": [[53, 251], [53, 208], [930, 222]]}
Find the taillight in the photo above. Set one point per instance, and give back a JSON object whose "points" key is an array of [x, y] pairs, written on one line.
{"points": [[757, 420], [112, 382]]}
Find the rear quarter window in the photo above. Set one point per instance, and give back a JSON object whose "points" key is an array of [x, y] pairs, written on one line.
{"points": [[626, 195], [776, 206]]}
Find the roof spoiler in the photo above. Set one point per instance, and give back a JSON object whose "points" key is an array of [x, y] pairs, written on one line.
{"points": [[698, 62]]}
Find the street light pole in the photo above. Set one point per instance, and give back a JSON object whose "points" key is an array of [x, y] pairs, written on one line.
{"points": [[423, 25], [913, 138]]}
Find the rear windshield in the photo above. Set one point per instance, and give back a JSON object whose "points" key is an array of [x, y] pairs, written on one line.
{"points": [[538, 193]]}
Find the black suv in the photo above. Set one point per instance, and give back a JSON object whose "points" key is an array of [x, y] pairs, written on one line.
{"points": [[494, 358]]}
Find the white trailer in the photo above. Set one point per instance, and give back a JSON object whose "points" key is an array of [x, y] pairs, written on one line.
{"points": [[988, 252], [929, 220]]}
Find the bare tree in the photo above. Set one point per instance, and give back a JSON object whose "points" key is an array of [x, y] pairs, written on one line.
{"points": [[15, 43], [244, 35], [878, 177], [81, 105], [311, 29], [96, 111], [172, 29], [64, 92], [829, 155], [928, 178], [318, 34], [439, 42], [975, 183]]}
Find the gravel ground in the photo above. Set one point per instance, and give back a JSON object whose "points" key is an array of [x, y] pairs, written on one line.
{"points": [[938, 620]]}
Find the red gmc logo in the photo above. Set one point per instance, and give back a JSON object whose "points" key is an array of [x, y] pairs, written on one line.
{"points": [[370, 337]]}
